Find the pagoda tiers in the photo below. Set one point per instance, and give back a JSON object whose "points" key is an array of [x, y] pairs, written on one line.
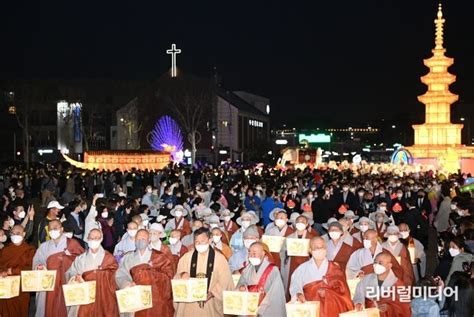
{"points": [[438, 141]]}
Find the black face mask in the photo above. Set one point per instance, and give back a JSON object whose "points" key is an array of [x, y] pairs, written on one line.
{"points": [[421, 196]]}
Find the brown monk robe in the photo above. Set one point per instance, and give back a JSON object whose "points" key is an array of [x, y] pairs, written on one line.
{"points": [[157, 273], [105, 301], [229, 229], [292, 262], [55, 305], [403, 270], [14, 258], [333, 294], [344, 254]]}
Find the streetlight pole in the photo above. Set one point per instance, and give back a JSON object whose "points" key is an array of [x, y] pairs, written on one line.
{"points": [[468, 126]]}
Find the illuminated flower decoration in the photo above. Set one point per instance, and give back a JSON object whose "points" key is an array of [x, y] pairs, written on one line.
{"points": [[167, 136], [397, 208]]}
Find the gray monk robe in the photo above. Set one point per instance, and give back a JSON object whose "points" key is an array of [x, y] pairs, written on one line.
{"points": [[273, 302]]}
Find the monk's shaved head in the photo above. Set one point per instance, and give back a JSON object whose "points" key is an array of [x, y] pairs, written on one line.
{"points": [[403, 227], [257, 250], [370, 234], [143, 234], [384, 259], [55, 224], [17, 230], [95, 234], [317, 243]]}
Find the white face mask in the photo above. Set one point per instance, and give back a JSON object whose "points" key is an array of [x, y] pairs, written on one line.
{"points": [[255, 261], [379, 269], [335, 234], [54, 234], [245, 224], [453, 206], [173, 241], [227, 218], [392, 238], [300, 226], [248, 243], [216, 239], [105, 214], [68, 235], [367, 244], [280, 223], [22, 214], [319, 254], [405, 234], [132, 232], [94, 244], [364, 228], [454, 252], [383, 208], [201, 248], [16, 239], [178, 214]]}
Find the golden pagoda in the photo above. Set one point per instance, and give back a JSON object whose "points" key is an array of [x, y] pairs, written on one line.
{"points": [[438, 141]]}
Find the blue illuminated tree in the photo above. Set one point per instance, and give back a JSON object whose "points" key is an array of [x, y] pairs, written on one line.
{"points": [[167, 136]]}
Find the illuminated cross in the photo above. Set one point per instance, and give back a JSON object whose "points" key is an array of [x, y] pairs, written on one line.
{"points": [[173, 51]]}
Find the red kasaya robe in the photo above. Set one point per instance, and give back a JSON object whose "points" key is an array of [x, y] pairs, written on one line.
{"points": [[343, 255], [158, 273], [396, 268], [61, 261], [230, 228], [403, 270], [395, 307], [105, 300], [17, 258], [337, 296], [186, 229]]}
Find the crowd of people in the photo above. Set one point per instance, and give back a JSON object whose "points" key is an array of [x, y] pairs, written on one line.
{"points": [[369, 229]]}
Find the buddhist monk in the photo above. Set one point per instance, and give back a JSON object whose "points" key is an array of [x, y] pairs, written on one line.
{"points": [[321, 280], [157, 232], [204, 262], [400, 252], [361, 261], [239, 259], [176, 246], [146, 266], [362, 226], [280, 229], [264, 277], [369, 290], [14, 258], [96, 264], [292, 262], [228, 225], [218, 244], [419, 256], [340, 244], [58, 253], [179, 222]]}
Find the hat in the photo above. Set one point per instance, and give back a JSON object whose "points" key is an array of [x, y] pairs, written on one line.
{"points": [[391, 230], [293, 217], [179, 207], [158, 227], [251, 231], [330, 220], [335, 224], [373, 216], [350, 215], [364, 219], [274, 212], [226, 213], [252, 215], [213, 219], [160, 218], [54, 204]]}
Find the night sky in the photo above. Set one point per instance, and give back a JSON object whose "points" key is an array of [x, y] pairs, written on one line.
{"points": [[344, 60]]}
